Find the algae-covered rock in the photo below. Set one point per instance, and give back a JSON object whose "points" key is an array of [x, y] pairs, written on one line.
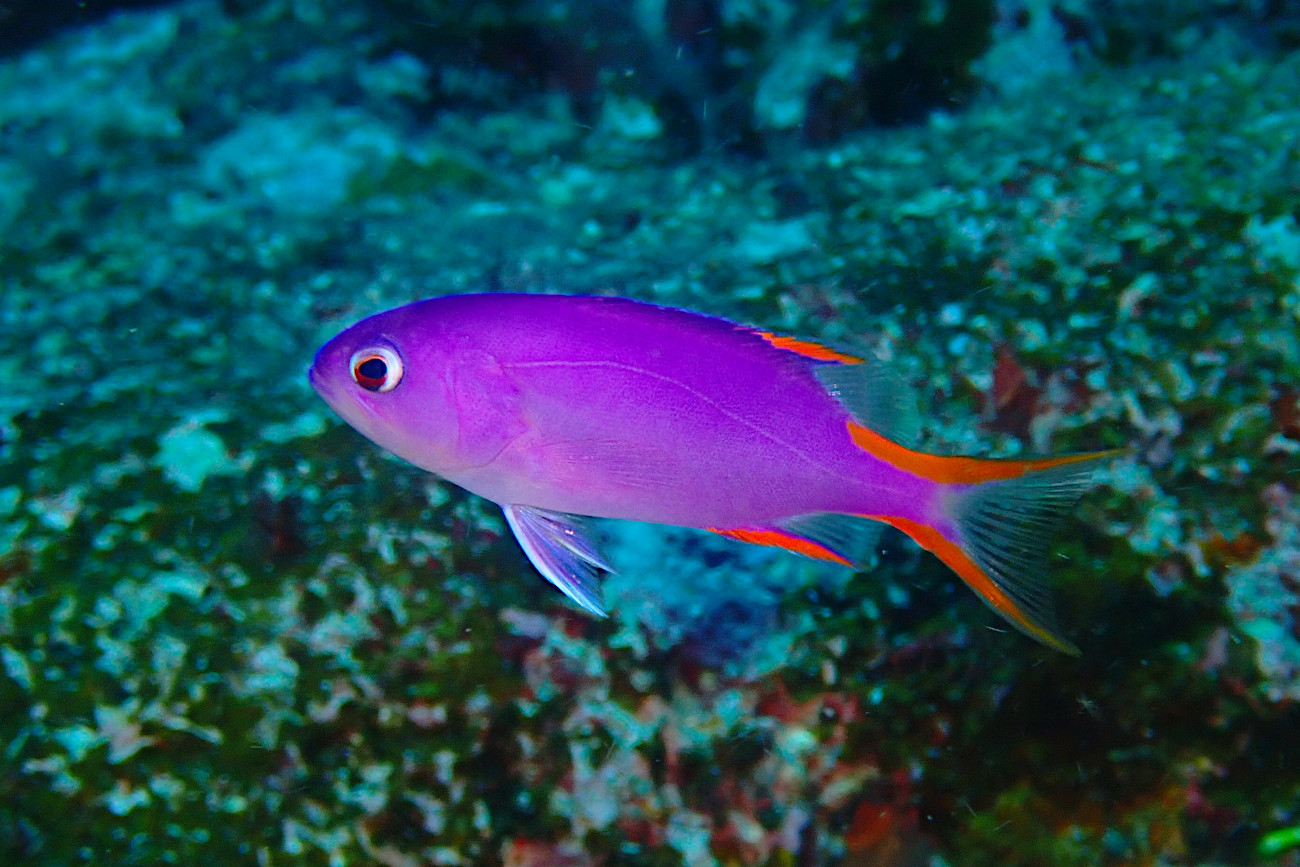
{"points": [[232, 631]]}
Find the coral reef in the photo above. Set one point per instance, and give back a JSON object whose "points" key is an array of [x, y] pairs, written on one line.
{"points": [[231, 631]]}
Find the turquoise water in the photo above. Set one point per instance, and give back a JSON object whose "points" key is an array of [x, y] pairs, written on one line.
{"points": [[233, 631]]}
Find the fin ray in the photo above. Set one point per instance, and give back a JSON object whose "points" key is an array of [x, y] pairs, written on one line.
{"points": [[876, 397], [629, 466], [559, 547], [1002, 530], [1006, 527], [852, 537], [1022, 602]]}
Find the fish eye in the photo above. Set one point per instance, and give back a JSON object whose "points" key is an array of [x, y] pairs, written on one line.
{"points": [[377, 369]]}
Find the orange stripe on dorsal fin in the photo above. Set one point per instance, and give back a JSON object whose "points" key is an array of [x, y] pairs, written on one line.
{"points": [[808, 348], [994, 595], [780, 539], [956, 470]]}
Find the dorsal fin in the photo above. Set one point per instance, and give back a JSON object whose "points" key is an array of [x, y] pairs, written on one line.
{"points": [[875, 396], [808, 348], [867, 387]]}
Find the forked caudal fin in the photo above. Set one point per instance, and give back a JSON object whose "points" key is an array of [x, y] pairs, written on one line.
{"points": [[1002, 514]]}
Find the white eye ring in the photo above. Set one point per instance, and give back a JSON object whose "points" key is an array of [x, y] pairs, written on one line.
{"points": [[376, 368]]}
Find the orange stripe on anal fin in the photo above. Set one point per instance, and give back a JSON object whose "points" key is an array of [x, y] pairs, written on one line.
{"points": [[781, 539], [808, 348], [956, 470], [977, 579]]}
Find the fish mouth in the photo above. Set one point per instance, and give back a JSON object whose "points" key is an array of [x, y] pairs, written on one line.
{"points": [[316, 374], [326, 390], [318, 384], [356, 410]]}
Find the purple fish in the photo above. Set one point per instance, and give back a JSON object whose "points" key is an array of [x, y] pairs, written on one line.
{"points": [[556, 407]]}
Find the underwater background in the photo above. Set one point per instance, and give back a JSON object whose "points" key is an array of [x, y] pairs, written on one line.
{"points": [[232, 631]]}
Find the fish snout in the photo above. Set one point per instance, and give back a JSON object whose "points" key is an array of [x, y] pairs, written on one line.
{"points": [[314, 377]]}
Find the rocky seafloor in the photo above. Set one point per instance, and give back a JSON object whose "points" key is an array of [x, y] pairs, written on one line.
{"points": [[233, 631]]}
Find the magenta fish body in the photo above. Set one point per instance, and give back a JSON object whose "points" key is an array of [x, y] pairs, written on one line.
{"points": [[557, 407]]}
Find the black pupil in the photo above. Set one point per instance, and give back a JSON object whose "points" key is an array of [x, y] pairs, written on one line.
{"points": [[373, 369]]}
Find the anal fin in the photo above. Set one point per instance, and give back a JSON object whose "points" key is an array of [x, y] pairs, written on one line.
{"points": [[782, 538], [852, 537]]}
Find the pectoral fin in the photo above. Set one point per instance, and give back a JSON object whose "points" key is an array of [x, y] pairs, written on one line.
{"points": [[488, 407], [560, 547]]}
